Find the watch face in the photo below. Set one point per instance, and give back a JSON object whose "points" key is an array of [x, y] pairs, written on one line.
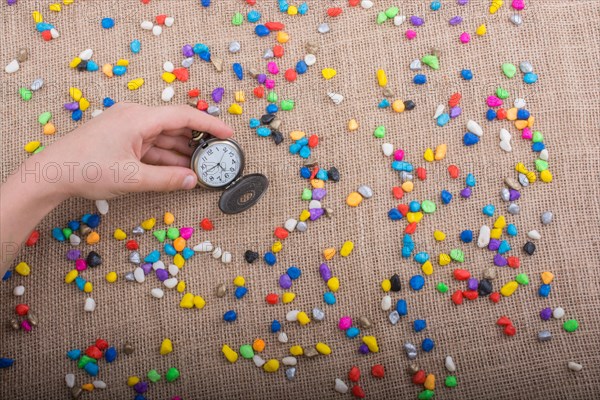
{"points": [[218, 164]]}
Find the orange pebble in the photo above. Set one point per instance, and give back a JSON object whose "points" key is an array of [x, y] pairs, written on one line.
{"points": [[92, 238], [49, 129], [179, 244], [87, 387], [520, 124], [259, 92], [258, 345]]}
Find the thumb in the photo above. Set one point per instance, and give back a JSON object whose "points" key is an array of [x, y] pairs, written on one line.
{"points": [[166, 179]]}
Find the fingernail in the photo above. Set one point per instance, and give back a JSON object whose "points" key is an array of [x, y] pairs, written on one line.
{"points": [[189, 182]]}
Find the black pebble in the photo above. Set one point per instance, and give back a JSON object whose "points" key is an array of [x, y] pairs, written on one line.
{"points": [[82, 65], [333, 174], [409, 105], [277, 137], [250, 256], [485, 287], [267, 119], [529, 248], [93, 259], [395, 280]]}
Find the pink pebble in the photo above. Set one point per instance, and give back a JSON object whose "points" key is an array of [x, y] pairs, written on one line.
{"points": [[26, 325], [465, 37], [345, 323], [410, 34], [399, 155], [493, 101], [269, 83], [176, 398], [186, 232], [272, 68], [518, 5], [80, 264], [527, 134]]}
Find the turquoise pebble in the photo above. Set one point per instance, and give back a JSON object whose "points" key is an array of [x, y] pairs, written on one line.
{"points": [[489, 210], [92, 66], [304, 152], [153, 257], [74, 354], [303, 9], [263, 131], [402, 166], [417, 282], [200, 48], [187, 253], [384, 103], [504, 247], [272, 108], [80, 283], [135, 46], [530, 78], [329, 298], [470, 180], [107, 23], [57, 234], [205, 55], [169, 249], [435, 5], [402, 307], [119, 70], [295, 148], [43, 26], [303, 141], [91, 368], [353, 332], [322, 175], [511, 230], [254, 123], [443, 119], [253, 16], [414, 206], [421, 257]]}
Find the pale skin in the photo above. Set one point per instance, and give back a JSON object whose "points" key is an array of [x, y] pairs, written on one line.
{"points": [[147, 145]]}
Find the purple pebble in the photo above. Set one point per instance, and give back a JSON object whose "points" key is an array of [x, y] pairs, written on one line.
{"points": [[162, 274], [500, 261], [466, 192], [416, 21], [217, 94], [74, 106], [261, 78], [316, 213], [318, 194], [455, 20], [11, 2], [187, 51], [147, 267], [472, 284], [514, 195], [455, 111], [285, 281], [363, 349], [546, 313], [141, 387], [325, 272], [462, 2], [494, 244], [73, 254]]}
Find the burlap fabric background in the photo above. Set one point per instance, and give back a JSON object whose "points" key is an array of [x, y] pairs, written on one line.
{"points": [[560, 38]]}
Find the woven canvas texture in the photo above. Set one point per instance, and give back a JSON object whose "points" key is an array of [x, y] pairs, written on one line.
{"points": [[562, 41]]}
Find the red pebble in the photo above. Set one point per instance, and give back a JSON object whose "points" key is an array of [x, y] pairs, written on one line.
{"points": [[202, 105], [206, 224], [513, 262], [461, 274], [281, 233], [290, 75], [421, 173], [397, 192], [313, 141], [145, 1], [503, 321], [132, 245], [501, 114], [274, 26], [32, 239], [353, 3], [454, 99], [93, 352], [457, 297], [453, 171], [101, 344], [272, 298], [510, 330], [251, 2], [259, 92], [411, 228], [160, 19], [378, 371], [419, 377], [47, 36], [181, 74], [278, 51], [334, 11], [470, 294], [354, 374], [403, 208], [194, 92], [495, 297], [314, 173], [357, 391], [22, 309]]}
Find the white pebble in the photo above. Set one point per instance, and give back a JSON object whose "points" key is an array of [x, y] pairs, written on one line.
{"points": [[86, 55], [292, 316], [474, 128], [505, 135], [558, 313], [336, 98], [158, 265], [366, 4], [516, 19], [169, 21], [399, 19], [573, 366], [90, 305], [520, 103], [258, 361], [386, 303], [54, 33], [74, 240], [290, 225], [158, 293], [217, 253], [12, 67], [340, 386], [234, 47], [204, 247], [70, 380], [283, 337], [506, 146], [173, 269], [290, 361], [388, 149], [439, 111], [310, 59], [535, 235], [314, 204], [214, 111], [167, 94], [139, 275], [268, 54], [102, 206], [147, 25], [170, 283], [157, 30], [323, 28], [168, 66], [96, 113], [37, 84], [99, 384], [450, 366], [544, 155], [19, 290], [484, 236], [226, 257]]}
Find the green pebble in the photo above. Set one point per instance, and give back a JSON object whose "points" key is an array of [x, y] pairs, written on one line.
{"points": [[67, 232], [442, 287], [306, 194], [272, 97], [537, 137], [44, 118], [287, 105], [502, 93], [160, 234], [246, 351], [431, 60], [379, 132], [522, 279], [428, 206], [571, 325], [451, 381], [25, 94], [426, 395], [457, 255], [153, 375], [39, 149], [509, 70], [381, 18], [84, 360], [237, 19], [172, 374], [541, 165], [392, 12], [172, 233]]}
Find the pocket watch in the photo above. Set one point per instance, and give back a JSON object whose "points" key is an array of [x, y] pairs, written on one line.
{"points": [[219, 164]]}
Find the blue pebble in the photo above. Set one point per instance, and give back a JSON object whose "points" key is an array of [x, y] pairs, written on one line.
{"points": [[402, 307], [294, 273], [353, 332], [7, 275], [419, 325], [187, 253], [77, 115], [43, 26], [394, 214], [402, 166], [530, 78], [6, 362], [263, 131], [91, 368], [420, 79], [153, 257], [92, 66], [303, 9], [469, 139], [80, 283], [417, 282], [139, 397], [523, 114], [58, 234], [270, 258], [110, 354], [205, 55], [169, 249], [272, 109], [240, 292], [74, 354], [383, 103], [489, 210], [414, 206], [329, 298], [504, 247], [466, 236], [305, 173], [275, 326], [119, 70], [427, 345], [490, 115], [254, 123], [107, 23], [446, 196], [435, 5], [135, 46], [537, 147], [205, 3], [261, 30], [230, 316], [107, 103], [511, 230], [322, 175], [305, 152], [73, 225], [544, 290], [466, 74], [470, 180], [199, 48], [238, 70], [443, 119], [421, 257], [93, 221], [301, 67], [295, 148], [253, 16]]}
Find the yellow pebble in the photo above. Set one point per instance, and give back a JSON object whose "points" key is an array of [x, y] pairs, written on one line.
{"points": [[187, 301], [166, 347], [111, 277], [333, 284], [229, 353], [37, 17], [520, 124], [32, 146], [398, 106], [181, 287], [546, 176], [547, 277], [271, 366], [496, 233], [481, 30], [444, 259], [199, 302], [168, 77], [84, 104], [297, 135], [120, 234], [371, 343], [440, 152], [178, 260], [148, 224], [328, 73], [88, 387], [509, 288], [135, 84], [75, 93], [71, 275], [292, 10], [407, 186], [235, 109], [354, 199], [520, 167], [495, 6], [439, 236], [352, 125], [346, 249], [283, 37], [92, 238], [49, 129], [287, 297], [304, 215], [276, 247], [511, 114], [107, 70], [329, 253], [386, 285], [428, 155], [427, 268], [240, 96], [132, 380], [414, 217], [531, 176], [317, 183], [303, 318], [296, 350], [68, 2], [382, 78], [75, 62], [322, 348], [239, 281], [123, 63], [530, 121], [88, 287], [430, 382], [500, 222]]}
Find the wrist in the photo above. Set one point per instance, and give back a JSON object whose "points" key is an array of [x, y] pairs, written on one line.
{"points": [[42, 182]]}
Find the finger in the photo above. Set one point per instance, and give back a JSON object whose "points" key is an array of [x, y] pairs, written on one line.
{"points": [[158, 156], [179, 144], [165, 179], [168, 118], [186, 132]]}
